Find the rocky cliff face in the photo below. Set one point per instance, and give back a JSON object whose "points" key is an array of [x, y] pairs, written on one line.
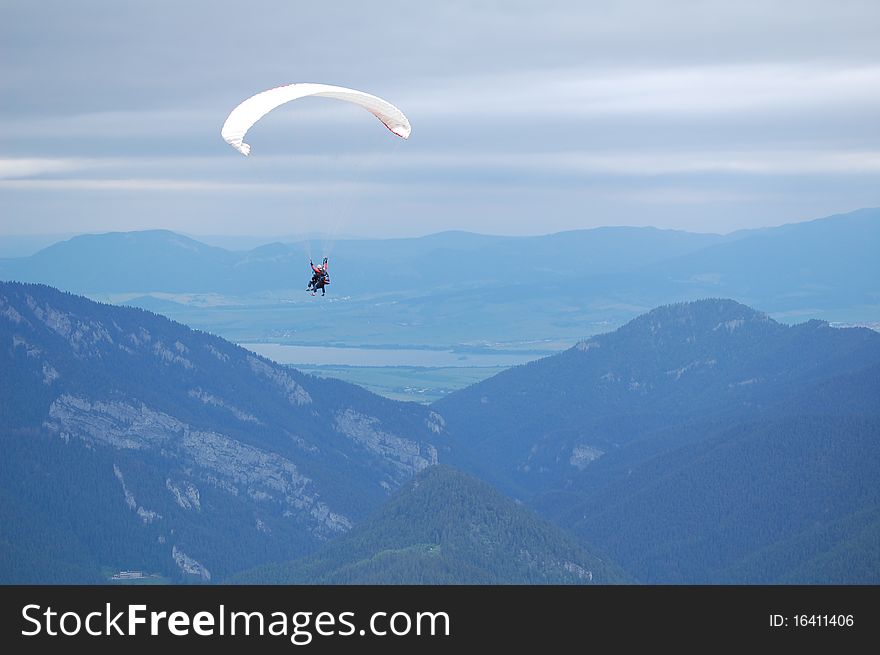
{"points": [[214, 458]]}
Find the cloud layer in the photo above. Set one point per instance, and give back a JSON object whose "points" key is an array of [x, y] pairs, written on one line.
{"points": [[527, 117]]}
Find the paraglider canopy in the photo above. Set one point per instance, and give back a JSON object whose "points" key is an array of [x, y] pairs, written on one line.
{"points": [[254, 108]]}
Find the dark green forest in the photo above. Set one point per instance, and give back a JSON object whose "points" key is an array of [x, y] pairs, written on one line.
{"points": [[444, 527]]}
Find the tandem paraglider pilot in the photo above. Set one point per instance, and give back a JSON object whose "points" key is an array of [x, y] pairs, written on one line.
{"points": [[320, 278]]}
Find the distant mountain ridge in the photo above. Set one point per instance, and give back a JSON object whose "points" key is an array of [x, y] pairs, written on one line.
{"points": [[457, 288], [808, 252], [830, 262], [161, 260]]}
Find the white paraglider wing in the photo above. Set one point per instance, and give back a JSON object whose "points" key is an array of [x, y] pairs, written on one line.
{"points": [[254, 108]]}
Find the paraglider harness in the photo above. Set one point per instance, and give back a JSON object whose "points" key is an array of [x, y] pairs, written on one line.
{"points": [[320, 278]]}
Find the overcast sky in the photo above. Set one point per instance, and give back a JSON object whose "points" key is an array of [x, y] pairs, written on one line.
{"points": [[527, 117]]}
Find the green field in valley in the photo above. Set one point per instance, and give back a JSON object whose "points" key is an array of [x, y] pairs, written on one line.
{"points": [[413, 383]]}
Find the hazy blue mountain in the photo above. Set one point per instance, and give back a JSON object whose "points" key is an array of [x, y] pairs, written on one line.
{"points": [[162, 261], [133, 442], [694, 443], [444, 527], [458, 288], [153, 260], [830, 263]]}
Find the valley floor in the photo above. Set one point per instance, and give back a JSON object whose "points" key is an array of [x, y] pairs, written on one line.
{"points": [[411, 383]]}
